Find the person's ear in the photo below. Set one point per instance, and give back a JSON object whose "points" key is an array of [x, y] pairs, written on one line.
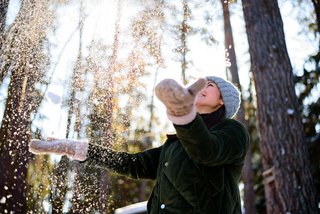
{"points": [[221, 102]]}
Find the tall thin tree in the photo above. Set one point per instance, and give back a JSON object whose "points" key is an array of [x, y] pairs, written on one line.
{"points": [[231, 57], [62, 169], [184, 29]]}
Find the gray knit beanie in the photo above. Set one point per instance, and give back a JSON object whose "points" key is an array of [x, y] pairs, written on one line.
{"points": [[230, 95]]}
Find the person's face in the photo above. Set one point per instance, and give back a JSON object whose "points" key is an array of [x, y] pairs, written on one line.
{"points": [[209, 99]]}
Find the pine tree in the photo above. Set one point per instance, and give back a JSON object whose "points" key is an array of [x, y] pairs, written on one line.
{"points": [[288, 182]]}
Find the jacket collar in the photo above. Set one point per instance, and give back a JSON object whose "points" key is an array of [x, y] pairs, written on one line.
{"points": [[172, 136], [214, 118], [209, 120]]}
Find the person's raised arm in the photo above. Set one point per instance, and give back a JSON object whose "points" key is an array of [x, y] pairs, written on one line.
{"points": [[140, 165], [226, 145], [74, 149]]}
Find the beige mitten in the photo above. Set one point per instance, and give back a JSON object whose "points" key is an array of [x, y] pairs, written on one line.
{"points": [[72, 148], [178, 100]]}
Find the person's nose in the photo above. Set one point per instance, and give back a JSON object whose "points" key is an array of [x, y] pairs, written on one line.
{"points": [[204, 90]]}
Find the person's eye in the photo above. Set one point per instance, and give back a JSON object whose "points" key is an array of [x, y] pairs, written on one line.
{"points": [[210, 84]]}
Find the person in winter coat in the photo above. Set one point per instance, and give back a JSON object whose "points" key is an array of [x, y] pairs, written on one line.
{"points": [[198, 169]]}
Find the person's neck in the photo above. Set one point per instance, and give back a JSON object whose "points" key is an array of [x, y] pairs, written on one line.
{"points": [[208, 109], [211, 119]]}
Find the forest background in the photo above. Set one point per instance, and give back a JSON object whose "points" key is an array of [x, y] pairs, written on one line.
{"points": [[86, 69]]}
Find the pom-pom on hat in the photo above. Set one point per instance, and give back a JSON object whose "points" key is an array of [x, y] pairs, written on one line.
{"points": [[230, 95]]}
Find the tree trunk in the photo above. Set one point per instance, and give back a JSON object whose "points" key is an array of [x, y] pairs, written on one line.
{"points": [[108, 101], [249, 198], [248, 180], [229, 44], [315, 160], [315, 147], [86, 186], [184, 48], [26, 66], [289, 186], [14, 136], [59, 187], [316, 5], [3, 17]]}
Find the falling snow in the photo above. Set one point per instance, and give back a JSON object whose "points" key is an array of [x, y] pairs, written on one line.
{"points": [[82, 70], [3, 200], [89, 90], [290, 111]]}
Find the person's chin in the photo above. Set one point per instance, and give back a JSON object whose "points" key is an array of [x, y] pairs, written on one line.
{"points": [[198, 107]]}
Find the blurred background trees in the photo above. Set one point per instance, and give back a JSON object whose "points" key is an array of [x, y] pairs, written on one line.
{"points": [[88, 77]]}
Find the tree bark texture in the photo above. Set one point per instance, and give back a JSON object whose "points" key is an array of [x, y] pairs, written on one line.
{"points": [[26, 68], [315, 147], [3, 16], [14, 153], [288, 182], [15, 133]]}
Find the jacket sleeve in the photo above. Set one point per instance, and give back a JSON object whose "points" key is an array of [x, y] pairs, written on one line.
{"points": [[224, 145], [142, 165]]}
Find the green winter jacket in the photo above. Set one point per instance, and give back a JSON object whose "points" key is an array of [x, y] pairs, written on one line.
{"points": [[196, 172]]}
